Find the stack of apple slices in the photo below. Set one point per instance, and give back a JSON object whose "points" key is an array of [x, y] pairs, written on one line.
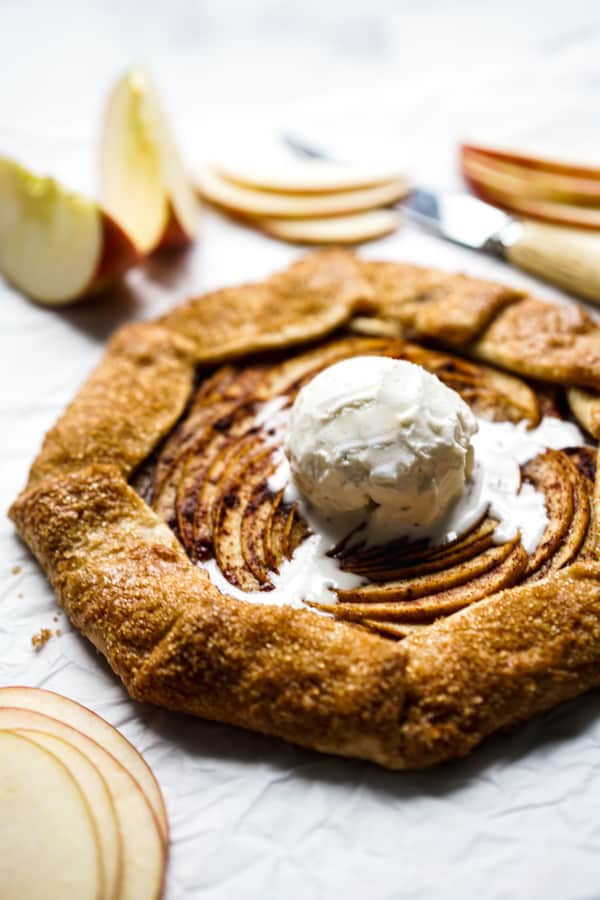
{"points": [[57, 246], [81, 814], [307, 201], [534, 187]]}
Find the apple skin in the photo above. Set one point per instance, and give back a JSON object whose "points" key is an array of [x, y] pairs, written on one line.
{"points": [[541, 210], [56, 246], [143, 181], [509, 178], [530, 161], [174, 237], [119, 254]]}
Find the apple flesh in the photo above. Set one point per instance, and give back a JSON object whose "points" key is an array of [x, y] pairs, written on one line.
{"points": [[144, 186], [144, 852], [256, 204], [56, 246], [530, 161], [542, 210], [304, 176], [353, 229], [82, 719], [100, 806], [49, 846], [509, 178], [533, 192]]}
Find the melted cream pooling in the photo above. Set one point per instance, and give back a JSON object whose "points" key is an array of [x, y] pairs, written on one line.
{"points": [[494, 487]]}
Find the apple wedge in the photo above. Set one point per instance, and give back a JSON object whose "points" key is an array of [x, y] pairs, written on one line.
{"points": [[538, 163], [249, 202], [304, 176], [352, 229], [523, 181], [47, 836], [144, 852], [100, 806], [143, 183], [84, 720], [56, 246]]}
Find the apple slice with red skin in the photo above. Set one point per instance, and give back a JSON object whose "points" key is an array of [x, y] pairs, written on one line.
{"points": [[143, 182], [523, 181], [582, 217], [56, 246], [531, 161], [144, 853], [49, 845], [84, 720]]}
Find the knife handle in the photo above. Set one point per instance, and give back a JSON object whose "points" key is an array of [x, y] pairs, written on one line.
{"points": [[568, 257]]}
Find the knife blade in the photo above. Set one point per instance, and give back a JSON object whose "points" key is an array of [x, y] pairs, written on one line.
{"points": [[566, 257]]}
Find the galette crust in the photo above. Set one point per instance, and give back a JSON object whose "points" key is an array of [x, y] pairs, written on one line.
{"points": [[175, 640]]}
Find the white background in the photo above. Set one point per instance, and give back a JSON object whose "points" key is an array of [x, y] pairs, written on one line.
{"points": [[251, 817]]}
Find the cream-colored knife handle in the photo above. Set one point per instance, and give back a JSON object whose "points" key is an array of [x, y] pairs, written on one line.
{"points": [[568, 257]]}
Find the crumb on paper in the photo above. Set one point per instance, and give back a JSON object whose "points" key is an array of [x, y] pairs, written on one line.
{"points": [[19, 596], [41, 638], [16, 570]]}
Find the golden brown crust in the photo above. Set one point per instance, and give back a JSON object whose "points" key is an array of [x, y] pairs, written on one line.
{"points": [[310, 299], [553, 342], [451, 308], [585, 406], [175, 640], [129, 402], [501, 661], [558, 343]]}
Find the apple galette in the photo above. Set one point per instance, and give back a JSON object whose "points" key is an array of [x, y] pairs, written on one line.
{"points": [[353, 506]]}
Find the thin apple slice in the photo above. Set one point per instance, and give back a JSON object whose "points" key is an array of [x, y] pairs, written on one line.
{"points": [[95, 791], [531, 161], [582, 217], [49, 847], [84, 720], [252, 203], [144, 185], [144, 852], [304, 176], [56, 246], [353, 229], [523, 181]]}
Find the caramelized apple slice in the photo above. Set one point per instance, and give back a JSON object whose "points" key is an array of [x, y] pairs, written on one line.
{"points": [[424, 585], [575, 535], [510, 559], [548, 475], [228, 518]]}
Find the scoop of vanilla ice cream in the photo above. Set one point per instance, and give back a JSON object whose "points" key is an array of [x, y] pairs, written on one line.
{"points": [[384, 436]]}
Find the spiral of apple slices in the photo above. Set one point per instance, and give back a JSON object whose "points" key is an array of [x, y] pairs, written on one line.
{"points": [[212, 481]]}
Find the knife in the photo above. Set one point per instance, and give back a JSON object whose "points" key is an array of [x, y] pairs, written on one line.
{"points": [[566, 257]]}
